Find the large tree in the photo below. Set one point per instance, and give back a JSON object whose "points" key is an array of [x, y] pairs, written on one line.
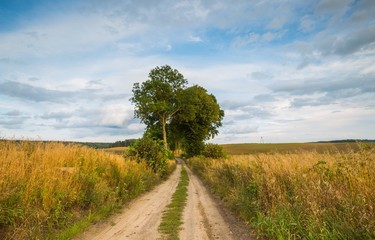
{"points": [[198, 120], [156, 99]]}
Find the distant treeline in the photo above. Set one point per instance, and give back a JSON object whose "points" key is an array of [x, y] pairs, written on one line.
{"points": [[348, 141], [125, 143]]}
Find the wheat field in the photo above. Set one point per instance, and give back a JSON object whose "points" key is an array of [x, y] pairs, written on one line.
{"points": [[48, 187], [304, 195]]}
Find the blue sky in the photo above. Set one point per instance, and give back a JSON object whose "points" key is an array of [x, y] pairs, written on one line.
{"points": [[287, 71]]}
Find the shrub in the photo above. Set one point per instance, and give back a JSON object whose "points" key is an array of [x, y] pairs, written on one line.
{"points": [[152, 152], [214, 151]]}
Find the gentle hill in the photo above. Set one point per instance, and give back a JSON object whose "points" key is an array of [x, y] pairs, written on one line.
{"points": [[255, 148]]}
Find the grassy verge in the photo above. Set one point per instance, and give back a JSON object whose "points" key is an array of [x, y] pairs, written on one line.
{"points": [[171, 220], [54, 191], [306, 195]]}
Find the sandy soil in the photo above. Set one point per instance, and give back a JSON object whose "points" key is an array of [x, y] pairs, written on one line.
{"points": [[204, 217], [141, 218]]}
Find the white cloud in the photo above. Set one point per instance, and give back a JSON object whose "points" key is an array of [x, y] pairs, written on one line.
{"points": [[69, 74], [258, 38], [240, 129], [195, 39], [336, 6], [307, 24], [118, 116], [278, 22], [136, 127]]}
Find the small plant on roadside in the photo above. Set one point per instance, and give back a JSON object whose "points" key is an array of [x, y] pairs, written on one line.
{"points": [[214, 151], [152, 152]]}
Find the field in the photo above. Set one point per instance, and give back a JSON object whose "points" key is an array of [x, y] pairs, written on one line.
{"points": [[254, 148], [53, 190], [116, 150], [299, 194]]}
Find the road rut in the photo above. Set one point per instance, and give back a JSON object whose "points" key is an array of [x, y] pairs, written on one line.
{"points": [[203, 217], [141, 218]]}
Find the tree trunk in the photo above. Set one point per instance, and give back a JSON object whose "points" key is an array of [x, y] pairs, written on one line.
{"points": [[164, 123]]}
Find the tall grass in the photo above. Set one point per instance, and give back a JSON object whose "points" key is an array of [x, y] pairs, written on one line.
{"points": [[48, 187], [306, 195]]}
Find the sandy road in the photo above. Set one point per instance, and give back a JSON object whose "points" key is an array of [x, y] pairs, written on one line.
{"points": [[141, 218], [203, 217]]}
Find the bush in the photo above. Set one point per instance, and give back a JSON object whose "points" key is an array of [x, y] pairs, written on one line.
{"points": [[152, 152], [214, 151]]}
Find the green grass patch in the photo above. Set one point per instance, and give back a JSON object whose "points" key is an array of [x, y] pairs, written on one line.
{"points": [[80, 226], [171, 220]]}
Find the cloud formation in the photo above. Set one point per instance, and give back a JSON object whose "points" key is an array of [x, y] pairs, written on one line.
{"points": [[28, 92], [283, 70]]}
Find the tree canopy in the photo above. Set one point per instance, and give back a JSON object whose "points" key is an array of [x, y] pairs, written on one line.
{"points": [[155, 100], [198, 120], [190, 114]]}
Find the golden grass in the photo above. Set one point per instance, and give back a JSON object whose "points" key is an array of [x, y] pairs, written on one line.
{"points": [[46, 187], [116, 150], [305, 195]]}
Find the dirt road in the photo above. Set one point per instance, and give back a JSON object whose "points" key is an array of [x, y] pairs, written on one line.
{"points": [[203, 217]]}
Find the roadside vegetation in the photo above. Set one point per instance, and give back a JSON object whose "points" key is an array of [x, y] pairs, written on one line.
{"points": [[54, 190], [171, 220], [299, 195], [151, 152]]}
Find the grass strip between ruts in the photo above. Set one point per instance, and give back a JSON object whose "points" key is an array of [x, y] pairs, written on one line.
{"points": [[171, 220]]}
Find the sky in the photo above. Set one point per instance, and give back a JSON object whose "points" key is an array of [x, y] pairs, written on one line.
{"points": [[283, 71]]}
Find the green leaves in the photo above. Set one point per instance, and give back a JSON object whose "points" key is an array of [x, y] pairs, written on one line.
{"points": [[155, 100], [152, 152], [190, 113], [198, 120]]}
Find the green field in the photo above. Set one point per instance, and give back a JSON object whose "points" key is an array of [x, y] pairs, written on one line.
{"points": [[255, 148]]}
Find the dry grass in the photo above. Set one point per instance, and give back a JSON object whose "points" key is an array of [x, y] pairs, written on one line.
{"points": [[306, 195], [46, 187], [116, 150]]}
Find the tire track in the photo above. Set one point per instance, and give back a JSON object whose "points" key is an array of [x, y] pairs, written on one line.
{"points": [[141, 218], [202, 218]]}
